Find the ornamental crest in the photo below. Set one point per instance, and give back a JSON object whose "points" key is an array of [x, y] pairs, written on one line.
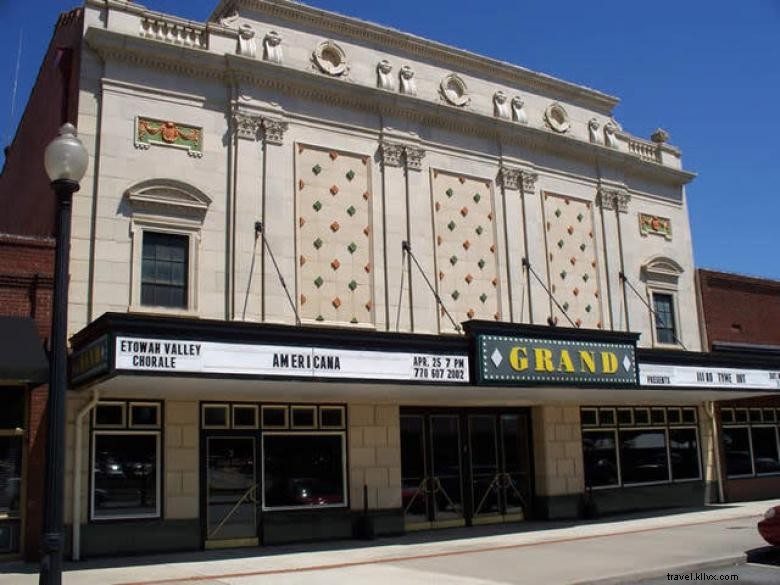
{"points": [[652, 224], [149, 131]]}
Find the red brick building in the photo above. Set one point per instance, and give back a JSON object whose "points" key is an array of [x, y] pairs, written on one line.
{"points": [[27, 241], [741, 316]]}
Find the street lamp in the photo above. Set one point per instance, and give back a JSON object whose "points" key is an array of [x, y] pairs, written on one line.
{"points": [[66, 162]]}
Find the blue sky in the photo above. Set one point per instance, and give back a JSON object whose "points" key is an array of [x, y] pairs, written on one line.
{"points": [[708, 72]]}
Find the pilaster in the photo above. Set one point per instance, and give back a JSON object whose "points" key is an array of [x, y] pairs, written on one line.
{"points": [[511, 203], [613, 201], [278, 219], [248, 202]]}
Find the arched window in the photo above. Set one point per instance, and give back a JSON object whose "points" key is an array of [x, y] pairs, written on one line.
{"points": [[166, 221], [661, 276]]}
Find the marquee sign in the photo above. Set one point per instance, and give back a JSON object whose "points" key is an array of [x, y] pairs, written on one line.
{"points": [[208, 357], [706, 377], [526, 360]]}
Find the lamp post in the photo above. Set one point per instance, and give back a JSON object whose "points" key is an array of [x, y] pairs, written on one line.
{"points": [[66, 162]]}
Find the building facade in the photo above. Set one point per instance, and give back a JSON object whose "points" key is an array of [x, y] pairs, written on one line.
{"points": [[738, 314], [331, 279]]}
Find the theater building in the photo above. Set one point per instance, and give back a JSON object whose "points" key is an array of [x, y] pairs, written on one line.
{"points": [[330, 279]]}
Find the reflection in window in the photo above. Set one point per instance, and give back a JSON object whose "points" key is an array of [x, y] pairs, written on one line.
{"points": [[664, 318], [303, 470], [765, 455], [11, 449], [736, 446], [601, 466], [126, 475], [684, 449], [643, 456]]}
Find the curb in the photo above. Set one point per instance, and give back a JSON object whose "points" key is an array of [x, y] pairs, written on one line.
{"points": [[718, 562]]}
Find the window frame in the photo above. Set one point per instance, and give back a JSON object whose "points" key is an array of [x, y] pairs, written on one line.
{"points": [[667, 427], [752, 473], [763, 425], [614, 432], [344, 469], [158, 473], [189, 273], [675, 314], [138, 228]]}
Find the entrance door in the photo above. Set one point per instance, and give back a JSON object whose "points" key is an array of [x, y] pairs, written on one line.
{"points": [[231, 492], [500, 474], [431, 471], [464, 467]]}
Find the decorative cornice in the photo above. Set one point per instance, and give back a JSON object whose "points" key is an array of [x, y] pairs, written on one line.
{"points": [[239, 70], [613, 199], [246, 126], [458, 59], [509, 178], [274, 130]]}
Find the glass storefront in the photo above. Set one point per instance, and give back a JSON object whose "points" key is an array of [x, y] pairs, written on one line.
{"points": [[12, 446]]}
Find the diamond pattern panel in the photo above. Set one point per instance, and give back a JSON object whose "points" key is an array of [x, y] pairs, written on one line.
{"points": [[466, 264], [573, 264], [335, 282]]}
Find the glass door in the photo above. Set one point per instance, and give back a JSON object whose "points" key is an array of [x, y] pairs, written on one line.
{"points": [[231, 492], [486, 480], [515, 467], [414, 475], [445, 481]]}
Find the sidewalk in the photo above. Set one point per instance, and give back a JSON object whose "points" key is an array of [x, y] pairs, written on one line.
{"points": [[617, 550]]}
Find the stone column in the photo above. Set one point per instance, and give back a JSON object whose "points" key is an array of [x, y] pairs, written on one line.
{"points": [[248, 206], [613, 201], [278, 223], [396, 230], [534, 238], [511, 194], [420, 237], [558, 463]]}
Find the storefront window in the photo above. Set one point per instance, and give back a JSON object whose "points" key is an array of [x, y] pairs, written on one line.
{"points": [[10, 474], [643, 456], [623, 453], [765, 454], [750, 441], [303, 470], [736, 446], [601, 466], [126, 475], [684, 451], [126, 472]]}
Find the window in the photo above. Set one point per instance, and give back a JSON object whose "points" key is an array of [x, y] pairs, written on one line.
{"points": [[662, 276], [164, 270], [751, 441], [304, 470], [166, 221], [665, 330], [126, 474], [640, 445]]}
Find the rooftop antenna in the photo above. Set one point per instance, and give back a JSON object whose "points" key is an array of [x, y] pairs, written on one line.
{"points": [[15, 86]]}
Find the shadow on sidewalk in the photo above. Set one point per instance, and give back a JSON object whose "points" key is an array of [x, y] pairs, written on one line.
{"points": [[410, 539]]}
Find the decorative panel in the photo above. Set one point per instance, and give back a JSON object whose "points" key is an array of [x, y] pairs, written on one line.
{"points": [[466, 262], [166, 133], [572, 261], [335, 281]]}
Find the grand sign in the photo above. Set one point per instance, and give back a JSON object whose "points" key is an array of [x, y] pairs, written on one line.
{"points": [[208, 357], [525, 360]]}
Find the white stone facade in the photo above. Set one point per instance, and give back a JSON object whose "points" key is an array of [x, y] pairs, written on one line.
{"points": [[561, 176]]}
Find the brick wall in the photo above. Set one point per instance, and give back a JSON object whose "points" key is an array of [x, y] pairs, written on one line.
{"points": [[739, 309], [26, 267]]}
